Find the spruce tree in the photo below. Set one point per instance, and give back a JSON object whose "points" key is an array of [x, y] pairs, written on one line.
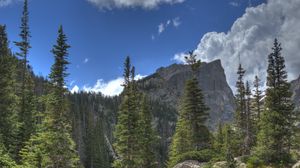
{"points": [[146, 136], [96, 151], [191, 134], [5, 159], [257, 98], [256, 108], [276, 125], [63, 153], [126, 130], [240, 114], [52, 145], [27, 103], [249, 120], [219, 139], [231, 163], [8, 97]]}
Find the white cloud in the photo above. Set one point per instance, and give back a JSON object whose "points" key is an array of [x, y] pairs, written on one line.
{"points": [[251, 37], [168, 22], [234, 4], [146, 4], [110, 88], [86, 60], [5, 2], [176, 22], [75, 89], [161, 28], [180, 57]]}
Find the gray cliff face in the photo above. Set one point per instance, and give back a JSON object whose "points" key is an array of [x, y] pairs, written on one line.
{"points": [[167, 85], [295, 88]]}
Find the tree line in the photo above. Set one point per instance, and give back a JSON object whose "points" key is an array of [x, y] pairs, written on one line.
{"points": [[264, 131], [36, 129]]}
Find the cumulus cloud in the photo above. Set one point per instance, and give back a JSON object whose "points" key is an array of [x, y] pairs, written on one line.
{"points": [[146, 4], [110, 88], [251, 38]]}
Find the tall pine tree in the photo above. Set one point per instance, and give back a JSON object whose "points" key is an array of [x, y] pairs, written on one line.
{"points": [[191, 134], [248, 141], [126, 130], [8, 97], [276, 126], [53, 146], [146, 136], [257, 105], [241, 114], [27, 103]]}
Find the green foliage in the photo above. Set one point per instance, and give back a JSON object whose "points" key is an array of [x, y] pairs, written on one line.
{"points": [[8, 96], [147, 136], [276, 126], [254, 162], [96, 150], [219, 140], [231, 163], [241, 112], [26, 92], [126, 130], [191, 133], [53, 146], [5, 159]]}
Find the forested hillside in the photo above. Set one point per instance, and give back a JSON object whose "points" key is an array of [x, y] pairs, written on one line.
{"points": [[179, 113]]}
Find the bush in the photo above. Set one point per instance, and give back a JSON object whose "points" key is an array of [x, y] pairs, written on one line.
{"points": [[254, 162]]}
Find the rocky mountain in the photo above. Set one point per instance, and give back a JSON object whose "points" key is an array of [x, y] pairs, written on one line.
{"points": [[167, 85], [164, 88], [295, 87]]}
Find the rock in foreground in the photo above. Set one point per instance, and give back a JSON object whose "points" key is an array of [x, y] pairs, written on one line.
{"points": [[190, 164]]}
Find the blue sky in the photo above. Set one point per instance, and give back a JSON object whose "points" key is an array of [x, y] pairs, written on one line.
{"points": [[102, 36]]}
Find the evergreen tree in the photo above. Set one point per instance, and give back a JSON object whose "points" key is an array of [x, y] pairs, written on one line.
{"points": [[126, 130], [256, 108], [257, 98], [248, 141], [276, 126], [62, 153], [191, 134], [27, 104], [146, 136], [5, 159], [96, 151], [240, 114], [53, 146], [231, 163], [8, 97], [219, 139]]}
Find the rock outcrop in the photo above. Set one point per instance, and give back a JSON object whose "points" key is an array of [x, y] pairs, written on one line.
{"points": [[295, 87], [190, 164], [167, 85]]}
